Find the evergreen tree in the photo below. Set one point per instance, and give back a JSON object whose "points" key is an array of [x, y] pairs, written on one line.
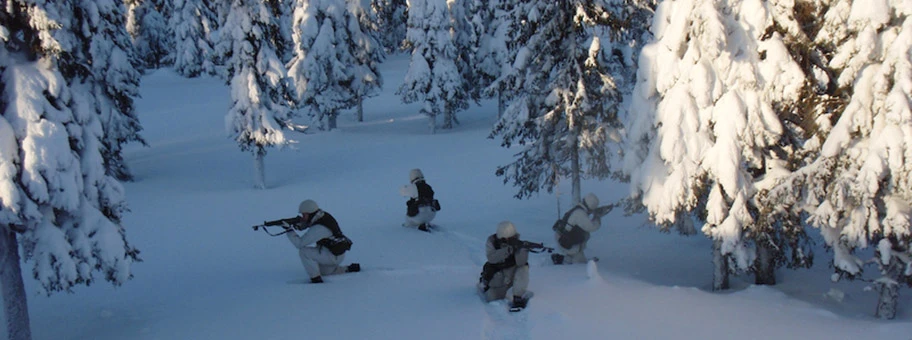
{"points": [[392, 16], [493, 52], [259, 92], [780, 230], [321, 69], [564, 104], [367, 51], [285, 14], [97, 65], [476, 12], [511, 26], [220, 36], [191, 24], [147, 24], [433, 78], [857, 188], [704, 130], [465, 38], [57, 199]]}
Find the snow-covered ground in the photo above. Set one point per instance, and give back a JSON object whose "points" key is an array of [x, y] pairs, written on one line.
{"points": [[207, 275]]}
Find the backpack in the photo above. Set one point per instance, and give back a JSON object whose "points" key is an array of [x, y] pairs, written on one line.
{"points": [[560, 225], [570, 235], [411, 208], [337, 245], [413, 204], [574, 236]]}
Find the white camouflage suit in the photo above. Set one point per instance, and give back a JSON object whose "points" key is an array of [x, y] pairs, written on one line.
{"points": [[317, 260], [426, 213], [583, 219], [516, 277]]}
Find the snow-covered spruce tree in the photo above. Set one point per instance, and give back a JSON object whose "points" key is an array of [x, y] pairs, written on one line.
{"points": [[476, 10], [703, 128], [632, 33], [465, 38], [564, 103], [780, 230], [191, 24], [220, 37], [320, 70], [147, 23], [432, 77], [259, 91], [96, 63], [285, 10], [57, 201], [367, 51], [493, 53], [857, 191], [392, 16]]}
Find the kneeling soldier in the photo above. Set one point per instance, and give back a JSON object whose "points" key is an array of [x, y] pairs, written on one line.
{"points": [[507, 267]]}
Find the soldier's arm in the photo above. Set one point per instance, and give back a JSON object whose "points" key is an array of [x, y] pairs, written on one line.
{"points": [[313, 234], [497, 255]]}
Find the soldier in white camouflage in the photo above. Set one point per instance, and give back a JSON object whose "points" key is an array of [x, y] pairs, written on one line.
{"points": [[507, 267], [572, 231], [421, 207]]}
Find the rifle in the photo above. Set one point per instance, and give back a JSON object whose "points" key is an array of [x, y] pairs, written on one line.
{"points": [[533, 247], [293, 221], [603, 210]]}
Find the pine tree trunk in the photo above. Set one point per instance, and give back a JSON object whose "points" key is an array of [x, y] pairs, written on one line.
{"points": [[575, 174], [332, 120], [447, 119], [259, 168], [889, 289], [886, 302], [360, 110], [685, 226], [720, 267], [432, 123], [15, 304], [765, 272]]}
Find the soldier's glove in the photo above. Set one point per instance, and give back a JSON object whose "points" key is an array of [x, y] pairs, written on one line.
{"points": [[514, 243], [499, 243], [502, 243], [286, 225]]}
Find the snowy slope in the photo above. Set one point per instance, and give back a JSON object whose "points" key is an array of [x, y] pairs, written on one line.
{"points": [[207, 275]]}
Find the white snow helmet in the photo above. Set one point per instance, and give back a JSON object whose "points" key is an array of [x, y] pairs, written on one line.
{"points": [[506, 229], [415, 175], [591, 201], [308, 207]]}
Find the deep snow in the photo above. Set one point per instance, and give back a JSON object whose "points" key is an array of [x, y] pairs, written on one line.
{"points": [[207, 275]]}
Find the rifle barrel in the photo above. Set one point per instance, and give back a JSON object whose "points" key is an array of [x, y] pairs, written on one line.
{"points": [[603, 210], [291, 220]]}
